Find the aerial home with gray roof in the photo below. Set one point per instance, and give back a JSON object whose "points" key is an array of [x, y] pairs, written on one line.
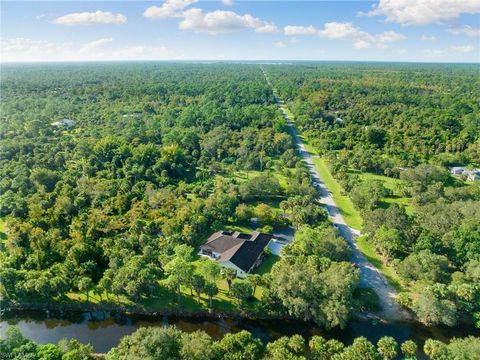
{"points": [[236, 250]]}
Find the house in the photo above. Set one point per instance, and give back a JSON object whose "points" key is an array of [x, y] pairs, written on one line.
{"points": [[63, 123], [457, 170], [473, 175], [236, 250]]}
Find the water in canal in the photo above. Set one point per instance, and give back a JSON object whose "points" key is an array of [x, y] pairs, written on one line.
{"points": [[104, 330]]}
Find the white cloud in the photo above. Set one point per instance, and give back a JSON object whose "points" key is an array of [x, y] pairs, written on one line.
{"points": [[389, 37], [170, 8], [337, 30], [361, 39], [463, 48], [422, 12], [299, 30], [227, 2], [346, 31], [428, 38], [279, 44], [222, 21], [23, 49], [91, 18], [91, 46], [465, 30]]}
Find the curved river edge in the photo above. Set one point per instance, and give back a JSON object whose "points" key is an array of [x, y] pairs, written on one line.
{"points": [[104, 325]]}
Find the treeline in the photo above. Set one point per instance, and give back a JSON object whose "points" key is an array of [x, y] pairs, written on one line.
{"points": [[407, 122], [386, 116], [142, 170], [435, 248], [154, 343], [116, 205]]}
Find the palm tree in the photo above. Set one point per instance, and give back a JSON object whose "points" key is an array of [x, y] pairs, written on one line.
{"points": [[198, 283], [254, 280], [211, 290], [229, 274], [85, 284]]}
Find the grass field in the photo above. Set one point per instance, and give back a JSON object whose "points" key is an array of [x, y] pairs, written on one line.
{"points": [[267, 264], [168, 300], [344, 204], [392, 184], [3, 235]]}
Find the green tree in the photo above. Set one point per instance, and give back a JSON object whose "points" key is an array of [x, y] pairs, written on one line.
{"points": [[315, 289], [322, 349], [238, 346], [198, 282], [178, 266], [211, 289], [409, 349], [433, 309], [286, 348], [436, 350], [149, 343], [85, 284], [210, 269], [49, 352], [254, 280], [360, 349], [196, 345], [229, 274], [242, 291], [74, 350], [387, 347]]}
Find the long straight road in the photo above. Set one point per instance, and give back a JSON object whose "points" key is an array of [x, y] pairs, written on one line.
{"points": [[371, 277]]}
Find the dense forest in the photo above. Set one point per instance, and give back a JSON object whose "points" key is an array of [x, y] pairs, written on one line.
{"points": [[112, 175], [169, 343], [115, 204], [385, 116], [387, 134]]}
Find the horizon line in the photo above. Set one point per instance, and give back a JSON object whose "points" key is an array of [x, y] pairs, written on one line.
{"points": [[260, 61]]}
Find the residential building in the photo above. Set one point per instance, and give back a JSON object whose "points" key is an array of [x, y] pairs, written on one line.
{"points": [[239, 251]]}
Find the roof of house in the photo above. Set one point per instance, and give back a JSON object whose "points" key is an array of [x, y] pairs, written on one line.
{"points": [[238, 248]]}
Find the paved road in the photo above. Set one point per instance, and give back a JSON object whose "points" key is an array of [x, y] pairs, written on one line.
{"points": [[371, 277]]}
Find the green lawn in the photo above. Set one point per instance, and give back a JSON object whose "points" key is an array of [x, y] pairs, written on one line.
{"points": [[3, 236], [344, 204], [243, 175], [267, 264], [392, 184]]}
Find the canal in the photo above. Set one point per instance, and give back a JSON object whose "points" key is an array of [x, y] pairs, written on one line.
{"points": [[104, 330]]}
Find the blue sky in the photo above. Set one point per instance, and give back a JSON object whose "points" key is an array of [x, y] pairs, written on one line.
{"points": [[381, 30]]}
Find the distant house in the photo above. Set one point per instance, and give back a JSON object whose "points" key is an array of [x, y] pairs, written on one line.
{"points": [[474, 175], [63, 123], [457, 170], [236, 250]]}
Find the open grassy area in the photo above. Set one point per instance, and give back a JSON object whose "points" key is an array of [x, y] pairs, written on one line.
{"points": [[267, 264], [167, 299], [3, 235], [392, 184], [344, 204]]}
